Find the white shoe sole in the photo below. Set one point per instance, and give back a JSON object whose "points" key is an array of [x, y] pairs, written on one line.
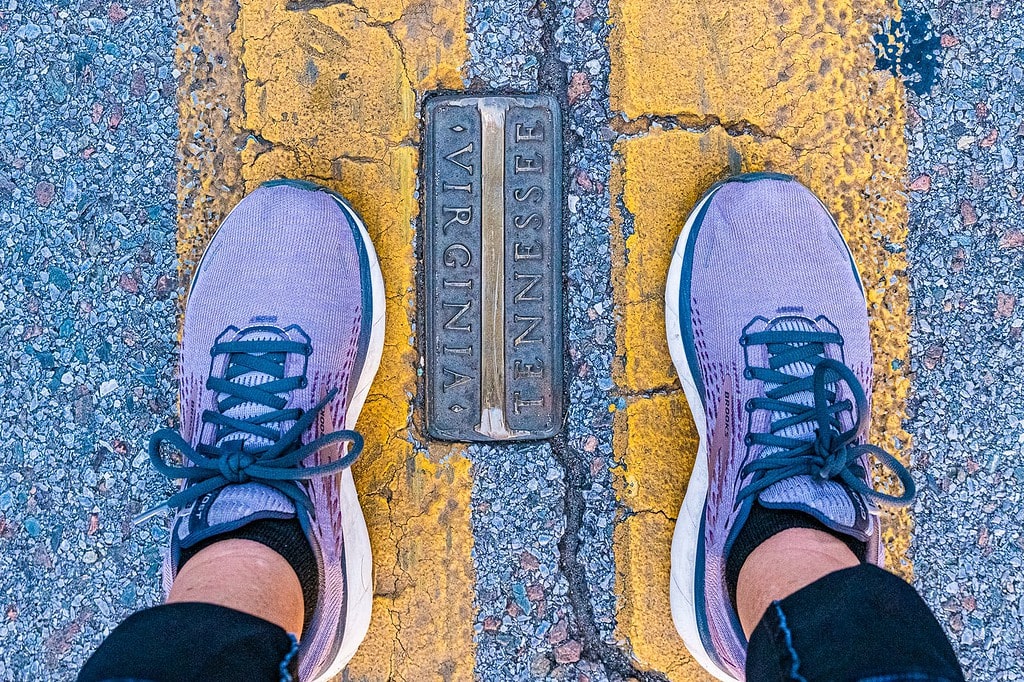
{"points": [[358, 556], [687, 532]]}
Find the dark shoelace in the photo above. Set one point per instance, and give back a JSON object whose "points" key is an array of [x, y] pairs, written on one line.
{"points": [[276, 464], [832, 453]]}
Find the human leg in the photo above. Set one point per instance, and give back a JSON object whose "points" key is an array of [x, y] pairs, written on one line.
{"points": [[859, 624], [783, 564], [283, 334], [767, 324], [270, 591]]}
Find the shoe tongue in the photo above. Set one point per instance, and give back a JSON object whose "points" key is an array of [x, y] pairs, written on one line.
{"points": [[228, 509], [803, 430], [250, 410], [830, 502]]}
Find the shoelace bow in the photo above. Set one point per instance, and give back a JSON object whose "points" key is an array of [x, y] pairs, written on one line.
{"points": [[276, 464], [833, 453]]}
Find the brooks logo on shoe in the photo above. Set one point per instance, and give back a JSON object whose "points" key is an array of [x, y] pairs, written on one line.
{"points": [[810, 431]]}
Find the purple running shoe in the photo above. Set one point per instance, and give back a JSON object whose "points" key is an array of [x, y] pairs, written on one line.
{"points": [[768, 330], [284, 330]]}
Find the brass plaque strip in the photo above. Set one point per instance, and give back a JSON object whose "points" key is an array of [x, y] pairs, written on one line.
{"points": [[492, 272]]}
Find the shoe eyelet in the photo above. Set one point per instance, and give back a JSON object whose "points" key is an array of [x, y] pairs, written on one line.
{"points": [[750, 406], [748, 440], [748, 374], [303, 382]]}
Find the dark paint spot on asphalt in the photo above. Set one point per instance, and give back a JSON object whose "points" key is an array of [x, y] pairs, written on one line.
{"points": [[909, 49]]}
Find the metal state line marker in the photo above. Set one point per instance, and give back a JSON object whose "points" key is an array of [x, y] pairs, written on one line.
{"points": [[493, 260]]}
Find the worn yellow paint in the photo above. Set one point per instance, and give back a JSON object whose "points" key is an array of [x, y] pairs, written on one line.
{"points": [[329, 94], [209, 111], [706, 90]]}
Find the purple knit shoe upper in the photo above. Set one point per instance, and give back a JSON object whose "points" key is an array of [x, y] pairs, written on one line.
{"points": [[277, 354], [774, 324]]}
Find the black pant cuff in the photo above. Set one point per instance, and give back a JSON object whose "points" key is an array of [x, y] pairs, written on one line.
{"points": [[184, 642], [854, 625]]}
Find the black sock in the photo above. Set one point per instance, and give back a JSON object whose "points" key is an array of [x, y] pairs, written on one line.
{"points": [[285, 537], [762, 524]]}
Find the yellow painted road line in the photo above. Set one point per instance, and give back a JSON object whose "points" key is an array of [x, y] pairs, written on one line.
{"points": [[329, 93], [708, 89]]}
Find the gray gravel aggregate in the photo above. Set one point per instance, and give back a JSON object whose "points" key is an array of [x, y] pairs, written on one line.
{"points": [[504, 44], [966, 253], [88, 299], [513, 47], [524, 618], [581, 43]]}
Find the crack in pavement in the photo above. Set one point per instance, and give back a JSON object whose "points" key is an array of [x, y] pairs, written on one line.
{"points": [[553, 80], [595, 649], [306, 5], [694, 123]]}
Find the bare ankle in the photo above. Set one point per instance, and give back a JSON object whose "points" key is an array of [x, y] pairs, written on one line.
{"points": [[783, 564], [246, 576]]}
